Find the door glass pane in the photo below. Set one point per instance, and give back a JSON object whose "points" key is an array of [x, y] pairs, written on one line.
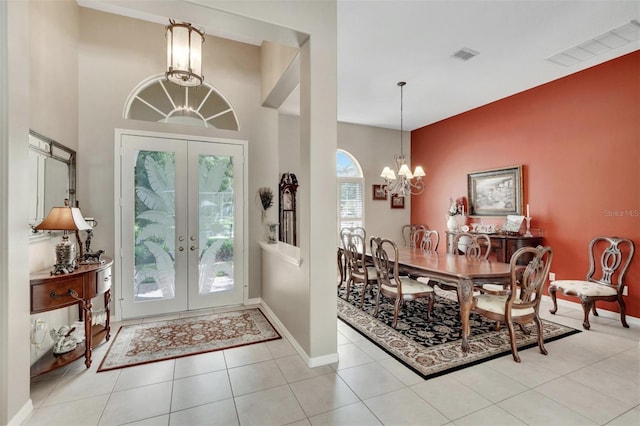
{"points": [[154, 250], [216, 212]]}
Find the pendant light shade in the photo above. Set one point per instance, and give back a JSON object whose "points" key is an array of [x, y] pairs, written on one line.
{"points": [[184, 54]]}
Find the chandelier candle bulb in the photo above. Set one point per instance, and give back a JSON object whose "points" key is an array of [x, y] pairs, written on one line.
{"points": [[528, 210]]}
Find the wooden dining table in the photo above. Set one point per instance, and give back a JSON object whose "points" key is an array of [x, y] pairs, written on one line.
{"points": [[456, 271]]}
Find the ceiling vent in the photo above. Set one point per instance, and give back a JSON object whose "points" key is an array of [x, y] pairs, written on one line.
{"points": [[465, 54], [598, 45]]}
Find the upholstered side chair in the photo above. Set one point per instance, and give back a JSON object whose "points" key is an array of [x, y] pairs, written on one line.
{"points": [[609, 260], [472, 245], [521, 304], [409, 233], [390, 284], [342, 250], [358, 272]]}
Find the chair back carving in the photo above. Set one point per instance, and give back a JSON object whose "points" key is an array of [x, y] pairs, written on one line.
{"points": [[609, 260], [427, 240], [410, 233], [343, 255], [355, 255], [521, 305], [528, 278], [347, 231], [386, 269], [472, 245]]}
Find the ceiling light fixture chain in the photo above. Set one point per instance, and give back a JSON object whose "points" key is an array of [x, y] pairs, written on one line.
{"points": [[403, 185]]}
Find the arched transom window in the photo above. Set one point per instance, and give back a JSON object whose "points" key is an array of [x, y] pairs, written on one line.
{"points": [[159, 100], [350, 190]]}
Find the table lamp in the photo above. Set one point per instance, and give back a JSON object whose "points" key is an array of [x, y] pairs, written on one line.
{"points": [[64, 219]]}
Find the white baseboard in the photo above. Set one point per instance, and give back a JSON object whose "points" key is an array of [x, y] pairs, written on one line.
{"points": [[22, 415], [319, 361], [310, 361], [254, 301]]}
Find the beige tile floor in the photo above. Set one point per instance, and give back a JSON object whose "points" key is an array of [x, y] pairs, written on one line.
{"points": [[591, 378]]}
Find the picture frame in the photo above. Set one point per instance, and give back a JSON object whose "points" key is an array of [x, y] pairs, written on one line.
{"points": [[513, 224], [495, 192], [378, 192], [397, 202]]}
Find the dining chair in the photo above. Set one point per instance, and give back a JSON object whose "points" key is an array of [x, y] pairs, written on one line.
{"points": [[358, 271], [472, 245], [609, 260], [427, 240], [409, 233], [344, 239], [478, 246], [521, 304], [390, 284]]}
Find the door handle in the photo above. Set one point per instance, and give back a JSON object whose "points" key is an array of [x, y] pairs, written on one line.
{"points": [[193, 248], [180, 248]]}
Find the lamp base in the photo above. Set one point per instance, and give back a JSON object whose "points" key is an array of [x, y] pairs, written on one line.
{"points": [[65, 257], [61, 268]]}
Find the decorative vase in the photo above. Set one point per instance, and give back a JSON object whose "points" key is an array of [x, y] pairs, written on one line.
{"points": [[452, 224]]}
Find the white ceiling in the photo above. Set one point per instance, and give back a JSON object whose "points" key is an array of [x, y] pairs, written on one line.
{"points": [[383, 42]]}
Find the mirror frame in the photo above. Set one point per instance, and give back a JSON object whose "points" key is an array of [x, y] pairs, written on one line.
{"points": [[50, 148]]}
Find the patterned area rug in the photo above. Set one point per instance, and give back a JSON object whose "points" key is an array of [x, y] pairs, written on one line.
{"points": [[432, 348], [157, 341]]}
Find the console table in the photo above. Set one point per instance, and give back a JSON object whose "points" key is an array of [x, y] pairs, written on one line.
{"points": [[502, 246], [50, 292]]}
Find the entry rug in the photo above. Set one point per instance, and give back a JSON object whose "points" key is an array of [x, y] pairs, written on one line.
{"points": [[433, 348], [158, 341]]}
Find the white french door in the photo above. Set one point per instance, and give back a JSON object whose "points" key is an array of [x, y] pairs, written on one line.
{"points": [[181, 217]]}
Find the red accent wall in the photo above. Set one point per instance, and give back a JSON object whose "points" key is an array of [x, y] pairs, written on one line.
{"points": [[578, 139]]}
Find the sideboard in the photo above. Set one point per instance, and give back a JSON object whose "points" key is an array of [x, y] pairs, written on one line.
{"points": [[502, 246], [50, 292]]}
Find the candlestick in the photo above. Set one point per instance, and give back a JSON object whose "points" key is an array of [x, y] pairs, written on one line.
{"points": [[528, 210], [528, 219]]}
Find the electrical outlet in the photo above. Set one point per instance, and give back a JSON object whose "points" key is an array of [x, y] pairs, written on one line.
{"points": [[552, 276], [625, 291]]}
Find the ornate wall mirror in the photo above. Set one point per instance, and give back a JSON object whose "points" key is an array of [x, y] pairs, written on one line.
{"points": [[52, 177]]}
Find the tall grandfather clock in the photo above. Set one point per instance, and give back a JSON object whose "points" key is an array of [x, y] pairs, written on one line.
{"points": [[288, 188]]}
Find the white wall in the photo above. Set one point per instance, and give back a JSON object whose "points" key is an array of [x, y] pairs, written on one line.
{"points": [[15, 404], [53, 39], [112, 64], [374, 148], [318, 98]]}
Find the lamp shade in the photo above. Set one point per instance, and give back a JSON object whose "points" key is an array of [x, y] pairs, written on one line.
{"points": [[404, 171], [387, 173], [184, 54], [63, 219], [419, 172]]}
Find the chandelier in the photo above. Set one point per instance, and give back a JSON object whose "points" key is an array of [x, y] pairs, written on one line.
{"points": [[404, 184], [184, 54]]}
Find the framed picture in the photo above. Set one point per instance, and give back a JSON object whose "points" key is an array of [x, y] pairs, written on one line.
{"points": [[495, 192], [379, 193], [397, 202]]}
